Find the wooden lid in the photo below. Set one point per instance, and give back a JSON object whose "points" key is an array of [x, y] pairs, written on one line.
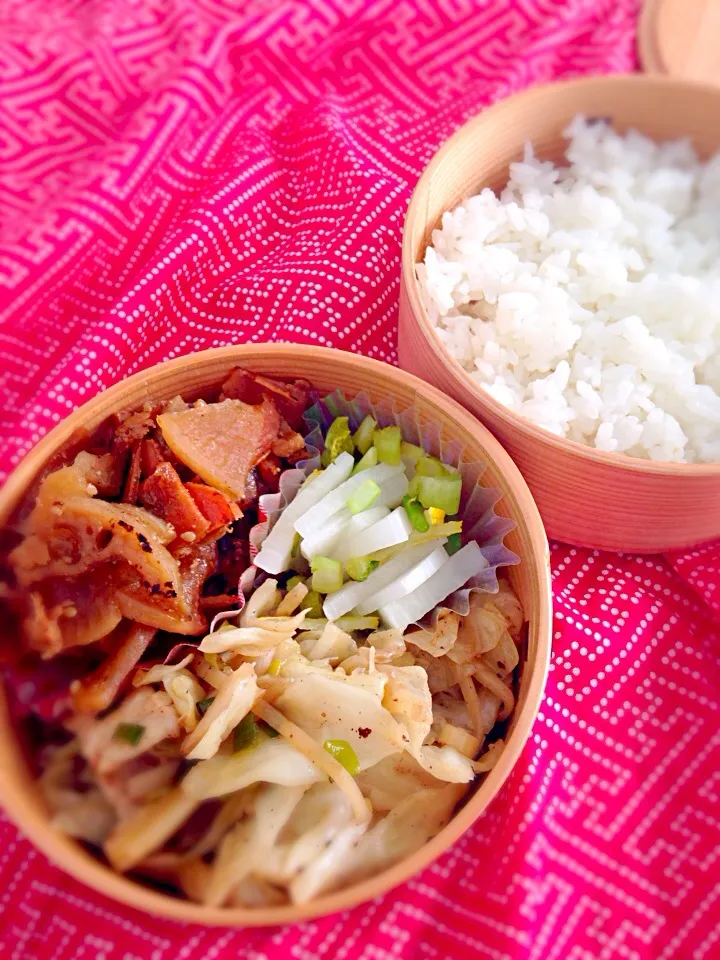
{"points": [[681, 38]]}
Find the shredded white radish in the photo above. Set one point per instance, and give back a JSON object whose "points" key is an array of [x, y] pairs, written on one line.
{"points": [[274, 555], [452, 575], [391, 495], [407, 582], [349, 596], [318, 515]]}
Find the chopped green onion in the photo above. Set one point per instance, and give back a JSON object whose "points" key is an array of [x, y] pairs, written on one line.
{"points": [[327, 574], [363, 438], [275, 667], [428, 466], [410, 454], [246, 734], [204, 705], [368, 459], [437, 531], [387, 443], [441, 492], [338, 440], [360, 568], [344, 754], [364, 497], [297, 540], [130, 733], [312, 602], [415, 513], [453, 543]]}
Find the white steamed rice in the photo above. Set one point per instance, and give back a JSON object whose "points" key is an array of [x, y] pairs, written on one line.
{"points": [[587, 297]]}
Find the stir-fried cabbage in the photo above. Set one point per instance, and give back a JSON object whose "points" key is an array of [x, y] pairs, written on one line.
{"points": [[407, 698], [256, 640], [133, 839], [274, 761], [149, 713], [441, 639], [334, 706], [405, 829], [394, 779], [325, 870], [332, 644], [244, 848], [230, 705]]}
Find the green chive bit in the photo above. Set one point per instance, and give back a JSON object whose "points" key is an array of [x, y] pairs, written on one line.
{"points": [[364, 434], [344, 754], [415, 513], [327, 574], [360, 568], [369, 459], [204, 705], [364, 497], [129, 733], [387, 443]]}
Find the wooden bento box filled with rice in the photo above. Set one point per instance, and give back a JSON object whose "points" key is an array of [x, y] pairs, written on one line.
{"points": [[560, 280]]}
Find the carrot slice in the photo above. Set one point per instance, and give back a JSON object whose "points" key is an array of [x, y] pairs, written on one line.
{"points": [[164, 494], [217, 508]]}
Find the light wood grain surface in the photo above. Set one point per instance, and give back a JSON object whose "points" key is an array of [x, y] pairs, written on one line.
{"points": [[681, 38]]}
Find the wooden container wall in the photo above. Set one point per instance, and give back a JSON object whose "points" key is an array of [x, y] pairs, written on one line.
{"points": [[326, 369], [585, 496]]}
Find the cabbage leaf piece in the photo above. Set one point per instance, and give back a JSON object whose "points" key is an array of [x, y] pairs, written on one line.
{"points": [[274, 761], [408, 698], [329, 705]]}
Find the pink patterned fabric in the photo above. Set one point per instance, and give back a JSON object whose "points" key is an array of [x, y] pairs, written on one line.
{"points": [[181, 175]]}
